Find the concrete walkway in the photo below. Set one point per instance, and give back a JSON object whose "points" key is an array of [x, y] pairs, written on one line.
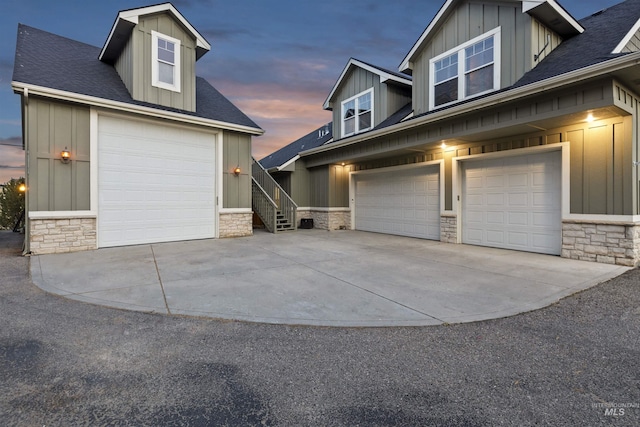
{"points": [[314, 277]]}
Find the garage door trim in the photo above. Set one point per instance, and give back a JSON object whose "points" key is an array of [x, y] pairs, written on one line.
{"points": [[353, 176], [458, 173], [95, 116]]}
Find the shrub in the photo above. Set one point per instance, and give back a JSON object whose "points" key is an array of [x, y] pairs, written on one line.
{"points": [[11, 203]]}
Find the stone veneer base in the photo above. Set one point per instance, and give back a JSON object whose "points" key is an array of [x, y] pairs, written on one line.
{"points": [[235, 225], [53, 236], [327, 219], [609, 243], [449, 228]]}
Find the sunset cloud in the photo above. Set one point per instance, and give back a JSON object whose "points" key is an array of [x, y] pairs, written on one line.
{"points": [[284, 113], [276, 60]]}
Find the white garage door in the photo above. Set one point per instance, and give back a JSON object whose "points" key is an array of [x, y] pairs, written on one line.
{"points": [[514, 203], [156, 183], [403, 202]]}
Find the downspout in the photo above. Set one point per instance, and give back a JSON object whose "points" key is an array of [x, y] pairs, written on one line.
{"points": [[26, 249]]}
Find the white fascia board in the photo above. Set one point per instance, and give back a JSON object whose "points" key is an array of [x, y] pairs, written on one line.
{"points": [[529, 5], [627, 38], [113, 30], [566, 16], [576, 76], [406, 62], [384, 76], [134, 14], [284, 165], [131, 108]]}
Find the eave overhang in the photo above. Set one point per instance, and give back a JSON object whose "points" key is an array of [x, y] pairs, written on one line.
{"points": [[597, 70], [553, 15], [627, 38], [384, 78], [405, 65], [128, 19], [31, 90]]}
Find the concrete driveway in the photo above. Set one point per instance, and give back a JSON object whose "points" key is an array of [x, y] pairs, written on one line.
{"points": [[314, 277]]}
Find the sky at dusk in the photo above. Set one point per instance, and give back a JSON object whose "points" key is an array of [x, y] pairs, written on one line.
{"points": [[277, 60]]}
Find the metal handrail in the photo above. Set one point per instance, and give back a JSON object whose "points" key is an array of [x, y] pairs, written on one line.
{"points": [[284, 203], [264, 206]]}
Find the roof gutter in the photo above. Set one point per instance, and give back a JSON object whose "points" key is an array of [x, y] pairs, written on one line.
{"points": [[288, 162], [61, 95], [489, 101]]}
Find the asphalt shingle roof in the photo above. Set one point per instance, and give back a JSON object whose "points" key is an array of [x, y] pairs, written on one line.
{"points": [[603, 31], [48, 60], [396, 117], [288, 152]]}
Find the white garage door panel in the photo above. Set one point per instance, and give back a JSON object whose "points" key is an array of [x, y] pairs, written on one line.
{"points": [[156, 183], [405, 203], [514, 203]]}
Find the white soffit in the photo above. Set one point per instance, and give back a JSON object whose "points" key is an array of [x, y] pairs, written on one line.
{"points": [[553, 15]]}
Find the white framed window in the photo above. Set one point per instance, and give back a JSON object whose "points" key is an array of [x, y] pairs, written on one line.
{"points": [[468, 70], [165, 62], [357, 113]]}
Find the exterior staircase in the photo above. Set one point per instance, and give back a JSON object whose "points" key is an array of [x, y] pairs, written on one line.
{"points": [[270, 202]]}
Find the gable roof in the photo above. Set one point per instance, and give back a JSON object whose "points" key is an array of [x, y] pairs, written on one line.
{"points": [[385, 75], [127, 19], [604, 32], [548, 11], [69, 69], [282, 157], [582, 57], [624, 43]]}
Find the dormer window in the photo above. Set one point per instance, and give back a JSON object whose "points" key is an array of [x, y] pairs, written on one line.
{"points": [[357, 113], [468, 70], [165, 67]]}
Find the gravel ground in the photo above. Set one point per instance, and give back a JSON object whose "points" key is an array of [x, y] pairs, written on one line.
{"points": [[66, 363]]}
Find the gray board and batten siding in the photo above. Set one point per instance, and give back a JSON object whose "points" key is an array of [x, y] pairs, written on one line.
{"points": [[51, 127], [387, 99], [134, 64], [236, 152], [633, 45], [522, 36], [54, 186], [297, 183]]}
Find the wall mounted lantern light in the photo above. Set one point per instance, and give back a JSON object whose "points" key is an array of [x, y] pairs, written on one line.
{"points": [[237, 171], [65, 155]]}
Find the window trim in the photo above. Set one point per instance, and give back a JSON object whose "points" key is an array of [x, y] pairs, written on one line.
{"points": [[357, 123], [155, 78], [461, 76]]}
